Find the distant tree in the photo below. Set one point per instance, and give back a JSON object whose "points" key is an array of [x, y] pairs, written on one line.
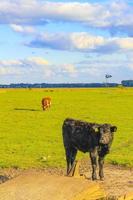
{"points": [[127, 83]]}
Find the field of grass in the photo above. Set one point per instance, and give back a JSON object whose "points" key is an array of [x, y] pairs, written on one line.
{"points": [[30, 137]]}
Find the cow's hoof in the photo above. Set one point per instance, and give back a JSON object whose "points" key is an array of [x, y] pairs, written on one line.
{"points": [[94, 178], [101, 178]]}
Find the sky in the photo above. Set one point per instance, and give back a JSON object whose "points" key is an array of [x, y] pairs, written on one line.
{"points": [[65, 41]]}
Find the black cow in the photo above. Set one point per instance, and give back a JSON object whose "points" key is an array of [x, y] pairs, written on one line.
{"points": [[87, 137]]}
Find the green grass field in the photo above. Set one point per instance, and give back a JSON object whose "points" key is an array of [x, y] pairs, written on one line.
{"points": [[30, 137]]}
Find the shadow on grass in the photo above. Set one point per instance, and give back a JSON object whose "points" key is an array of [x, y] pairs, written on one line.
{"points": [[26, 109], [3, 178]]}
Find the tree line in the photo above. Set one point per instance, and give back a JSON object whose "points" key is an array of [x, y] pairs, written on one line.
{"points": [[58, 85]]}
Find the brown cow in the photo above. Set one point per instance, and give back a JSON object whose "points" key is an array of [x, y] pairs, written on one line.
{"points": [[46, 103]]}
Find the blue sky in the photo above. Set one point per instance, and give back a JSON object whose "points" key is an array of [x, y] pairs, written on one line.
{"points": [[65, 41]]}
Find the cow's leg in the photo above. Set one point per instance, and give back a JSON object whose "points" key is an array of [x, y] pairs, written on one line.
{"points": [[73, 155], [42, 107], [93, 157], [73, 164], [68, 159], [48, 105], [101, 162]]}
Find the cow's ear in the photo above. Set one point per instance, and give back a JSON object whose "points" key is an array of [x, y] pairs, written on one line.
{"points": [[96, 129], [99, 129], [113, 128]]}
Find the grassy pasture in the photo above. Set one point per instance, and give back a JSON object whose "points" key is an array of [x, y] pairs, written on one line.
{"points": [[30, 137]]}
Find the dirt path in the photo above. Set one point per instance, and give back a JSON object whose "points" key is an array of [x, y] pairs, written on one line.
{"points": [[39, 186], [118, 180]]}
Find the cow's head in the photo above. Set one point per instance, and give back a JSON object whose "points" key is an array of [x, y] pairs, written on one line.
{"points": [[106, 133]]}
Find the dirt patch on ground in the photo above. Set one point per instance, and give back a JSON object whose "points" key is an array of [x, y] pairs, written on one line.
{"points": [[118, 180], [7, 174], [32, 185]]}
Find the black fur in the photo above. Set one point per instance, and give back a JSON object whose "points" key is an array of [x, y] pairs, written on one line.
{"points": [[87, 137]]}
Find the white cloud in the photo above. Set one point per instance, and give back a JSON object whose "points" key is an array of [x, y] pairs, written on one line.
{"points": [[68, 69], [82, 41], [35, 66], [95, 68], [23, 66], [116, 16], [38, 60], [85, 41], [130, 60], [11, 67], [23, 29], [125, 43], [92, 69]]}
